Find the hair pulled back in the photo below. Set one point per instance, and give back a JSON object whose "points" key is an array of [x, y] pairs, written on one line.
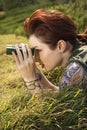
{"points": [[51, 26]]}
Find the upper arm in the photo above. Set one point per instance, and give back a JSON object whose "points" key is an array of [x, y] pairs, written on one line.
{"points": [[72, 75]]}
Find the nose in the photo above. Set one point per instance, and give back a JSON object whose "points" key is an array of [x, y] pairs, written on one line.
{"points": [[36, 59]]}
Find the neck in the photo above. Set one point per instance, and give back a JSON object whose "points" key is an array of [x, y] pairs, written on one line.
{"points": [[65, 59]]}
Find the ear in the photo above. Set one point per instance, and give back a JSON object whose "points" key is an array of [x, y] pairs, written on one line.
{"points": [[62, 46]]}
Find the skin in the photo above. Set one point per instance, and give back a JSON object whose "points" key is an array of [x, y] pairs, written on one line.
{"points": [[50, 58]]}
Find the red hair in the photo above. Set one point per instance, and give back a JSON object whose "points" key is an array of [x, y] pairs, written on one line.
{"points": [[51, 26]]}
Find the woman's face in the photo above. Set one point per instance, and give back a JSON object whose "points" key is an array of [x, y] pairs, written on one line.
{"points": [[49, 58]]}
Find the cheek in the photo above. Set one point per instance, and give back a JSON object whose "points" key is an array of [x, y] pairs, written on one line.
{"points": [[55, 60], [43, 56], [50, 62]]}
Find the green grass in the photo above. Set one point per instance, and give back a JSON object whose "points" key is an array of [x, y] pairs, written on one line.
{"points": [[11, 21], [19, 110]]}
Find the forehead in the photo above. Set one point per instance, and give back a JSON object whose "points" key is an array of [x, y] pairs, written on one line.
{"points": [[36, 42]]}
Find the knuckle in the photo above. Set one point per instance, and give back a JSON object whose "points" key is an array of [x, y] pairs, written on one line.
{"points": [[31, 61]]}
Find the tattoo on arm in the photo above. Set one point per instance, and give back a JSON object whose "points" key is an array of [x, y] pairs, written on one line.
{"points": [[72, 75]]}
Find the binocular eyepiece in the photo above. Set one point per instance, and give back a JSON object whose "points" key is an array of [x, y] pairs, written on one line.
{"points": [[11, 48]]}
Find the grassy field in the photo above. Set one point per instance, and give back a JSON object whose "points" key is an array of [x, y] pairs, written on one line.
{"points": [[8, 73], [11, 22], [19, 110]]}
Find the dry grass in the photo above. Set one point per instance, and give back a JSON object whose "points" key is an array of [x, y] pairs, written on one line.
{"points": [[19, 110]]}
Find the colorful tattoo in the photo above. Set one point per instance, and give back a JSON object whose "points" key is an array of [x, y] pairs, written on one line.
{"points": [[72, 75]]}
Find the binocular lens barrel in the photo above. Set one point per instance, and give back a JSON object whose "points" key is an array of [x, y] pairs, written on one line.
{"points": [[11, 48]]}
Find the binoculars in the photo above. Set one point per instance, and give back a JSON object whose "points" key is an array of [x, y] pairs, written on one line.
{"points": [[11, 48]]}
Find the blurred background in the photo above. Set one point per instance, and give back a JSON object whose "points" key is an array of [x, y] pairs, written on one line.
{"points": [[19, 110], [14, 12]]}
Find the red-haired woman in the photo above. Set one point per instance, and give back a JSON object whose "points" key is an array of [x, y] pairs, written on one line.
{"points": [[54, 38]]}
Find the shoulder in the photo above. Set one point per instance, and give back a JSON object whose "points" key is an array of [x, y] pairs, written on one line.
{"points": [[73, 74]]}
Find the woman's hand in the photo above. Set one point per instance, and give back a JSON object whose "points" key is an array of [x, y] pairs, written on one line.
{"points": [[25, 62]]}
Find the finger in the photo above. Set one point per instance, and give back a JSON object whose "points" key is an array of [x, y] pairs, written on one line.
{"points": [[15, 58], [19, 54], [24, 50], [29, 52]]}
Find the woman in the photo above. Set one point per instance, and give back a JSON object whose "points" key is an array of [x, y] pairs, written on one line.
{"points": [[53, 36]]}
